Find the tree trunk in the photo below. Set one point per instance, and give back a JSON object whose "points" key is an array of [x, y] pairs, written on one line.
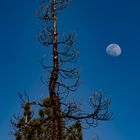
{"points": [[55, 101]]}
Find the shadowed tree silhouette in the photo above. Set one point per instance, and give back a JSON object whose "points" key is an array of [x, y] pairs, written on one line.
{"points": [[58, 118]]}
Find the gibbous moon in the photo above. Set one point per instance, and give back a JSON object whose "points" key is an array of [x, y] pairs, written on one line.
{"points": [[113, 50]]}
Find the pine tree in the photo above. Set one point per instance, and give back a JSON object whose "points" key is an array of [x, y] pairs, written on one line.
{"points": [[57, 118]]}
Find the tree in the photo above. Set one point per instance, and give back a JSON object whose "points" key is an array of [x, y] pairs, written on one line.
{"points": [[57, 118]]}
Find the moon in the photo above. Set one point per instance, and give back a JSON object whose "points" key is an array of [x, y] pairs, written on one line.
{"points": [[113, 50]]}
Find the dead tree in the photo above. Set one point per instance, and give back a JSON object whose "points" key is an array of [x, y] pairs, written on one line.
{"points": [[56, 115]]}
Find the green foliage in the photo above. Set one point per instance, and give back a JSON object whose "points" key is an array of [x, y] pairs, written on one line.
{"points": [[74, 132], [46, 102], [31, 128]]}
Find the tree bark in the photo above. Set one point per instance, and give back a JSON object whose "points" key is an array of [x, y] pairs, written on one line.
{"points": [[55, 101]]}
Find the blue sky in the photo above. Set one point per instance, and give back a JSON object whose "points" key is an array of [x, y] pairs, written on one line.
{"points": [[97, 24]]}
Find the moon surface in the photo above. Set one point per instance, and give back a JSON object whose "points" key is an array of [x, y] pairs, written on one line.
{"points": [[113, 50]]}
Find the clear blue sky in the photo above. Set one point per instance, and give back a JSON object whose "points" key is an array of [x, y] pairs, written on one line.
{"points": [[97, 24]]}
